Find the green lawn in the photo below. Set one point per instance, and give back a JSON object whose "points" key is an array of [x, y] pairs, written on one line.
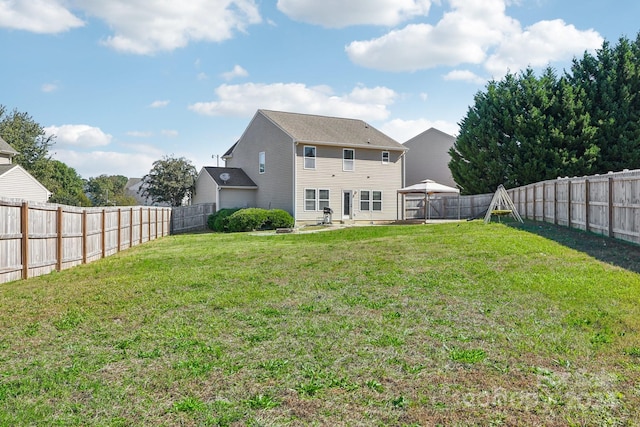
{"points": [[451, 324]]}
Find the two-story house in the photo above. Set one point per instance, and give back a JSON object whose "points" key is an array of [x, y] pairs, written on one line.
{"points": [[428, 157], [303, 163]]}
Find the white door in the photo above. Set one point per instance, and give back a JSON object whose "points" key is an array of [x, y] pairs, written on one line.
{"points": [[347, 205]]}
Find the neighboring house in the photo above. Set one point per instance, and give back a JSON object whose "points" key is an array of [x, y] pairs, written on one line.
{"points": [[304, 163], [132, 188], [17, 183], [226, 187], [428, 158]]}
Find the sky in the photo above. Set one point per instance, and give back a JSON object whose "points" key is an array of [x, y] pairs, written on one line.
{"points": [[123, 83]]}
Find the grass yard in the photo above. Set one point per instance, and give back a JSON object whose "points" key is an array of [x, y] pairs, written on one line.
{"points": [[452, 324]]}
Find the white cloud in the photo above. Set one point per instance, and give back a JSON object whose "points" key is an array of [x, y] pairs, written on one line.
{"points": [[244, 100], [404, 130], [140, 134], [340, 13], [159, 104], [169, 132], [237, 71], [540, 44], [78, 135], [95, 163], [149, 26], [472, 32], [38, 16], [49, 87], [465, 76]]}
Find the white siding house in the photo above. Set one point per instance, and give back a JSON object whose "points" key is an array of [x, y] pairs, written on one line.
{"points": [[17, 183], [304, 163], [226, 187]]}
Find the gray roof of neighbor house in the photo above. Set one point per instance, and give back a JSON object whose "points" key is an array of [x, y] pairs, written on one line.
{"points": [[6, 168], [237, 177], [5, 148], [324, 130]]}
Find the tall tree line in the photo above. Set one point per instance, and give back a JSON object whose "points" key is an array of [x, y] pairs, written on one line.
{"points": [[527, 128]]}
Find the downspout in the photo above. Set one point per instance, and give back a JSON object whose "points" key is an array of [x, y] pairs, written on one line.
{"points": [[294, 144]]}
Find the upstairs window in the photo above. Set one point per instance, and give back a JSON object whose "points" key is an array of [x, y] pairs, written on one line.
{"points": [[348, 159], [385, 157], [309, 157], [261, 162]]}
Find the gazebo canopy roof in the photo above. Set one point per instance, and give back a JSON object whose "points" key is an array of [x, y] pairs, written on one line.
{"points": [[428, 186]]}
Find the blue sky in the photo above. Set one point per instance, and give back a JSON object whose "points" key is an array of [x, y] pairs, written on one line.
{"points": [[122, 83]]}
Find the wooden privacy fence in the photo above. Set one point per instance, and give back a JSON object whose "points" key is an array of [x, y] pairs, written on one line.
{"points": [[446, 207], [187, 219], [37, 238], [604, 204]]}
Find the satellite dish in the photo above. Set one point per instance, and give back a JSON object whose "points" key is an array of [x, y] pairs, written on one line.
{"points": [[225, 176]]}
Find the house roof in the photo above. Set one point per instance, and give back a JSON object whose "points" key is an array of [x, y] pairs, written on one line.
{"points": [[5, 148], [324, 130], [6, 168], [237, 177], [431, 130]]}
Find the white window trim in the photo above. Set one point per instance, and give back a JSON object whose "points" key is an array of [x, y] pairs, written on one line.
{"points": [[368, 201], [328, 199], [371, 201], [374, 201], [304, 157], [315, 200], [385, 162], [353, 161], [262, 162]]}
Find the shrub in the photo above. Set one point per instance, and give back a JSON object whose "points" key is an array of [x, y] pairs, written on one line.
{"points": [[247, 219], [218, 221], [278, 218]]}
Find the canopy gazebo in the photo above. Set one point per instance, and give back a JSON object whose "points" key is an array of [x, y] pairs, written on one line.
{"points": [[428, 187]]}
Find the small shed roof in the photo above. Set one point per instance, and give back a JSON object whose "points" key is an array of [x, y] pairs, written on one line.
{"points": [[235, 177]]}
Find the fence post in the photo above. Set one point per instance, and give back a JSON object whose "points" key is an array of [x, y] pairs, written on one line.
{"points": [[119, 228], [544, 205], [84, 236], [569, 196], [24, 219], [131, 227], [141, 223], [59, 239], [611, 207], [586, 204], [555, 201], [104, 232]]}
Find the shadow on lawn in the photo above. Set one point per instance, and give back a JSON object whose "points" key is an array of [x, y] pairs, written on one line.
{"points": [[612, 251]]}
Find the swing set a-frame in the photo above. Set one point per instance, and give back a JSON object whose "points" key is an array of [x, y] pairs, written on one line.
{"points": [[502, 205]]}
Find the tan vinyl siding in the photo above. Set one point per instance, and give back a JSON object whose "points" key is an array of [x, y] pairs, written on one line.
{"points": [[369, 174], [275, 185], [19, 184], [237, 198], [5, 160], [206, 189]]}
